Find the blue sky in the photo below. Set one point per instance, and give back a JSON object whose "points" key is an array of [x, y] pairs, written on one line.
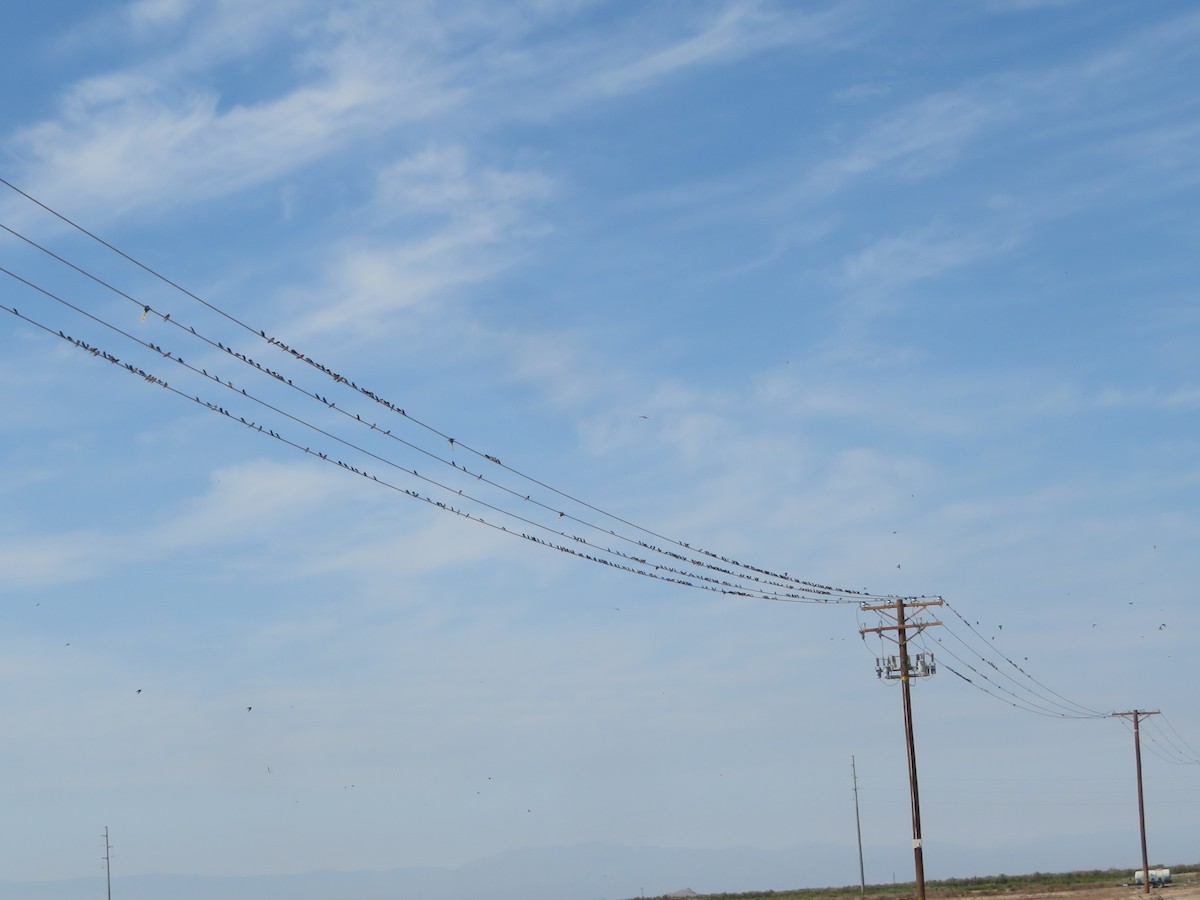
{"points": [[892, 298]]}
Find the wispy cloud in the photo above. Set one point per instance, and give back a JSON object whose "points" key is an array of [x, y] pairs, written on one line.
{"points": [[33, 561], [136, 138], [139, 152], [914, 143], [875, 278], [149, 16], [1182, 399], [437, 222], [736, 30]]}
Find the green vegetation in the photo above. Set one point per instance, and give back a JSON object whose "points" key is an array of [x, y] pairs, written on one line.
{"points": [[962, 887]]}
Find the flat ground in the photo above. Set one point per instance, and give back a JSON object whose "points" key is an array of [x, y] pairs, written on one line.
{"points": [[1186, 887], [1087, 886], [1185, 890]]}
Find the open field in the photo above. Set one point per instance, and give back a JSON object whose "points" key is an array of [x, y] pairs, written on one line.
{"points": [[1093, 885]]}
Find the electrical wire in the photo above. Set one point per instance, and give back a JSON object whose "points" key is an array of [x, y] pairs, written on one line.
{"points": [[1170, 749], [673, 574], [923, 632], [728, 575], [682, 580], [1190, 750], [1005, 695], [1033, 686], [799, 585]]}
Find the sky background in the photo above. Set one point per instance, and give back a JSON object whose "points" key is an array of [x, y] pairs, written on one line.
{"points": [[898, 298]]}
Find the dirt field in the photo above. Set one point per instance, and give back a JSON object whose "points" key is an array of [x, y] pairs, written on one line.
{"points": [[1185, 890], [1186, 886]]}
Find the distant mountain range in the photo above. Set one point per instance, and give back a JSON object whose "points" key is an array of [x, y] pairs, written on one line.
{"points": [[602, 872]]}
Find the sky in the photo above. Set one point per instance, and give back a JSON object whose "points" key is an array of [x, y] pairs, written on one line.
{"points": [[898, 299]]}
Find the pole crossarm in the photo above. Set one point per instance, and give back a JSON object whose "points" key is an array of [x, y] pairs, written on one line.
{"points": [[897, 611], [908, 604], [911, 626]]}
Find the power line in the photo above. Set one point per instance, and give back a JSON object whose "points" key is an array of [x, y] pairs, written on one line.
{"points": [[729, 576], [1026, 683], [1190, 751], [818, 590], [1012, 700], [1161, 746], [629, 563], [980, 680]]}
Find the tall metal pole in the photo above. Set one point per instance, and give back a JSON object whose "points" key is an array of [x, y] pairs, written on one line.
{"points": [[905, 690], [1136, 715], [862, 878]]}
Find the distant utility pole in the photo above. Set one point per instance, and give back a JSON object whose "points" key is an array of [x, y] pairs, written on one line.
{"points": [[1137, 715], [862, 878], [107, 871], [905, 668]]}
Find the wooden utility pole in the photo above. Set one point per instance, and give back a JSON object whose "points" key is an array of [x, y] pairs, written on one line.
{"points": [[862, 877], [107, 856], [905, 668], [1137, 715]]}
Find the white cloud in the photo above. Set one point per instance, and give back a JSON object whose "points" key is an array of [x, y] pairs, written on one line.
{"points": [[442, 182], [875, 278], [1005, 6], [918, 141], [249, 502], [442, 223], [1181, 399], [737, 30], [159, 134], [149, 16], [29, 561], [292, 520], [141, 152], [154, 136], [863, 91]]}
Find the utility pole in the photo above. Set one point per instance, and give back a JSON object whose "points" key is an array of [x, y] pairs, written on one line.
{"points": [[1137, 715], [107, 870], [862, 878], [905, 668]]}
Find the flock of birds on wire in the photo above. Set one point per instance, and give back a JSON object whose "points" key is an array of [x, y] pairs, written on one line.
{"points": [[480, 488]]}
